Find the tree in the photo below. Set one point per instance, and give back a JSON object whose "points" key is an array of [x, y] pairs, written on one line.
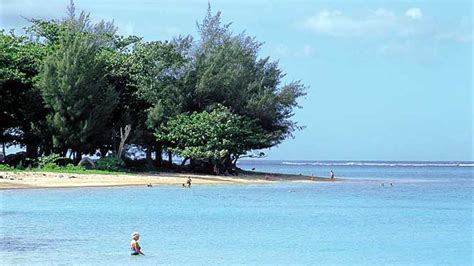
{"points": [[160, 67], [224, 69], [218, 137], [227, 70], [220, 70], [121, 74], [20, 61], [75, 89], [80, 83]]}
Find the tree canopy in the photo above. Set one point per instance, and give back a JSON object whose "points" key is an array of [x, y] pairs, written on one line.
{"points": [[212, 98]]}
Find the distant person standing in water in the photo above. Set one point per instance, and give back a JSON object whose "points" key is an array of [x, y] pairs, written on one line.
{"points": [[331, 174], [189, 181], [134, 246]]}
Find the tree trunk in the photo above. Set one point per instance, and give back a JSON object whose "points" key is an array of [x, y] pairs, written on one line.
{"points": [[123, 137], [3, 149], [170, 158], [184, 161], [103, 152], [215, 169], [158, 152], [77, 157], [148, 156], [227, 165]]}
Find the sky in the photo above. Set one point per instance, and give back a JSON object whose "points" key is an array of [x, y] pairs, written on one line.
{"points": [[386, 80]]}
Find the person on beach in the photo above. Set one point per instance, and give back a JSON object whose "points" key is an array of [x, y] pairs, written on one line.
{"points": [[134, 246], [189, 181], [331, 174]]}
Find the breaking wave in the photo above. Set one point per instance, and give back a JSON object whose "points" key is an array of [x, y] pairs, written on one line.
{"points": [[390, 164]]}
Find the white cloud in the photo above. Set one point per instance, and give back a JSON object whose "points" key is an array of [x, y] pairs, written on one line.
{"points": [[379, 22], [383, 23], [409, 50], [414, 13], [14, 14]]}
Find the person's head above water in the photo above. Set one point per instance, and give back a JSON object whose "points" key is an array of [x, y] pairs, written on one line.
{"points": [[135, 236]]}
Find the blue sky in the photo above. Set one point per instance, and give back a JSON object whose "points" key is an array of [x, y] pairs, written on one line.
{"points": [[388, 80]]}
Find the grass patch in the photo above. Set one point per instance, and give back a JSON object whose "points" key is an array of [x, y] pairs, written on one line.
{"points": [[66, 170]]}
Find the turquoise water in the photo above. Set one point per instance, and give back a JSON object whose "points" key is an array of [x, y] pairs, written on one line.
{"points": [[425, 218]]}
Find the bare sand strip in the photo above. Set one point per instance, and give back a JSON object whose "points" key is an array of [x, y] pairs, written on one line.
{"points": [[26, 179]]}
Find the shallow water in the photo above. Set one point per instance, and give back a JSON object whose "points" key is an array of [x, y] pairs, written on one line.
{"points": [[353, 222]]}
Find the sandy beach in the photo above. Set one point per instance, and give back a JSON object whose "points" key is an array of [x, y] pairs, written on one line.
{"points": [[26, 179]]}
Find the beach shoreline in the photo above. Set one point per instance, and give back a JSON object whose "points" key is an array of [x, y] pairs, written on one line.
{"points": [[32, 179]]}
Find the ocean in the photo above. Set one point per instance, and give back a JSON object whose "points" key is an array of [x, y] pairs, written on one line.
{"points": [[424, 218]]}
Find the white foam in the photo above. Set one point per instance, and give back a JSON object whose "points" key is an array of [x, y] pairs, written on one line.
{"points": [[390, 164]]}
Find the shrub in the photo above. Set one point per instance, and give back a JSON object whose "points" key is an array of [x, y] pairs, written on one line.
{"points": [[50, 167], [63, 161], [5, 167], [72, 167], [68, 168], [47, 161], [110, 163]]}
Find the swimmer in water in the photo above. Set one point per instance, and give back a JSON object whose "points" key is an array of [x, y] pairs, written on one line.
{"points": [[134, 246]]}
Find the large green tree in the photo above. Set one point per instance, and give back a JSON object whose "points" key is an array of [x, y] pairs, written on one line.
{"points": [[93, 82], [21, 108], [224, 69], [160, 70], [74, 87], [228, 70], [114, 52], [218, 137]]}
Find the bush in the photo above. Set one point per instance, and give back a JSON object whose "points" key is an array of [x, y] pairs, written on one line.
{"points": [[110, 163], [56, 168], [55, 162], [48, 161], [15, 159], [50, 167], [5, 167], [72, 167], [139, 165], [63, 161]]}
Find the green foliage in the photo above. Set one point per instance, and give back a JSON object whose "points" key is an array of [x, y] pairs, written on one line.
{"points": [[161, 67], [20, 61], [20, 166], [52, 163], [5, 167], [110, 163], [227, 70], [48, 159], [214, 135], [213, 99], [52, 167], [74, 88]]}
